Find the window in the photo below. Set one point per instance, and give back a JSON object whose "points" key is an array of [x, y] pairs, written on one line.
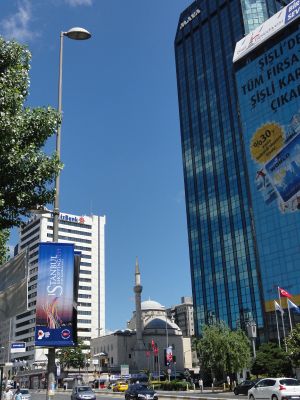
{"points": [[84, 313], [289, 382]]}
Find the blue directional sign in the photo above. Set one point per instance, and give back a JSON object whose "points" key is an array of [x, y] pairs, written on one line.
{"points": [[18, 347]]}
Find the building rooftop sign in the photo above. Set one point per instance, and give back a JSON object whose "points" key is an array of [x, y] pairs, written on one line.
{"points": [[190, 18], [267, 29]]}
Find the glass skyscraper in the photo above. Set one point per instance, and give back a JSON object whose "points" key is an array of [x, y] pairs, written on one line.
{"points": [[267, 76], [225, 266]]}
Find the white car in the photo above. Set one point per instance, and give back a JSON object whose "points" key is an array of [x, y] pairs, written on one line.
{"points": [[275, 389], [25, 394]]}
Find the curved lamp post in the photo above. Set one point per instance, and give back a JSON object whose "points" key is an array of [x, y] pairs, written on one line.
{"points": [[75, 34]]}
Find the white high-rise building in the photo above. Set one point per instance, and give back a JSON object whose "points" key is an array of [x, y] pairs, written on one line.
{"points": [[88, 235]]}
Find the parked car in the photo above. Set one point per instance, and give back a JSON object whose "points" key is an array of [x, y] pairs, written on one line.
{"points": [[83, 393], [244, 386], [25, 394], [275, 389], [120, 386], [139, 391]]}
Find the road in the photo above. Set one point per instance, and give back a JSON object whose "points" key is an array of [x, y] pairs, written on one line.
{"points": [[162, 395]]}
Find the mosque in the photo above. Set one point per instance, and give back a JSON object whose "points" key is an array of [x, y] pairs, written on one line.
{"points": [[141, 346]]}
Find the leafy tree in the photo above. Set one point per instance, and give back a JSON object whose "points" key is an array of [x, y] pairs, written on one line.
{"points": [[26, 172], [4, 235], [222, 350], [271, 360], [72, 357], [293, 345], [238, 351]]}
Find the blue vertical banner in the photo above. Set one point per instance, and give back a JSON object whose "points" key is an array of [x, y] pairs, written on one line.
{"points": [[55, 296]]}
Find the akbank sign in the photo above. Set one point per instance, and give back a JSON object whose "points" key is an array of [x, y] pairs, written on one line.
{"points": [[70, 218]]}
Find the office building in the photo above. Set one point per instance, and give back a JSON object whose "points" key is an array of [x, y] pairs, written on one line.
{"points": [[225, 264], [183, 316], [88, 235], [267, 65]]}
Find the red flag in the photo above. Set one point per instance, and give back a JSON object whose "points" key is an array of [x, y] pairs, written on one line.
{"points": [[284, 293], [155, 351], [147, 353], [152, 344]]}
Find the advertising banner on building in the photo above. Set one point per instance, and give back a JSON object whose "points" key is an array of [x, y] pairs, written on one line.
{"points": [[268, 85], [55, 295], [263, 32], [269, 97]]}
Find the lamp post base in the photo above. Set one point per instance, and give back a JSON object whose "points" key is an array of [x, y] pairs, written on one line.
{"points": [[51, 372]]}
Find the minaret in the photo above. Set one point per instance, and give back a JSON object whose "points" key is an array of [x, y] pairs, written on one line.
{"points": [[138, 310], [139, 347]]}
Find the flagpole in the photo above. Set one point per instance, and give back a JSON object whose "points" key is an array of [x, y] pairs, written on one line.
{"points": [[291, 325], [282, 318], [278, 335]]}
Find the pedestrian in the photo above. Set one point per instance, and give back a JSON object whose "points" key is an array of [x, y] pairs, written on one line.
{"points": [[17, 395], [8, 394], [201, 385], [228, 381]]}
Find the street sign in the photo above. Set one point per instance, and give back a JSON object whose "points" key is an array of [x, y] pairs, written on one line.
{"points": [[124, 370], [18, 347]]}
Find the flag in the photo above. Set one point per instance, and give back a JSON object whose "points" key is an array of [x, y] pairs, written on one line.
{"points": [[278, 308], [293, 307], [284, 293], [152, 344]]}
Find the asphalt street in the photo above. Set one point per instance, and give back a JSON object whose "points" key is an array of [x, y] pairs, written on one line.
{"points": [[41, 395]]}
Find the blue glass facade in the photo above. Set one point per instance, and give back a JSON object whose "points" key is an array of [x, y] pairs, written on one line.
{"points": [[269, 98], [225, 268]]}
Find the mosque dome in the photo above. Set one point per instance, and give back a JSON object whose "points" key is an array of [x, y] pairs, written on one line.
{"points": [[151, 305], [161, 323]]}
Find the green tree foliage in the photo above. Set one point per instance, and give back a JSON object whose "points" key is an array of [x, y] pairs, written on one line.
{"points": [[222, 350], [26, 172], [4, 236], [72, 357], [271, 360], [293, 345]]}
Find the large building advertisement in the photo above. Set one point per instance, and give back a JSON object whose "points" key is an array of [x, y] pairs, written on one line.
{"points": [[55, 295], [269, 97]]}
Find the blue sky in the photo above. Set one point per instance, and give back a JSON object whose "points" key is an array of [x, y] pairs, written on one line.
{"points": [[120, 133]]}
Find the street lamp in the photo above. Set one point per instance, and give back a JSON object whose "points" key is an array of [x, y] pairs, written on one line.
{"points": [[75, 34]]}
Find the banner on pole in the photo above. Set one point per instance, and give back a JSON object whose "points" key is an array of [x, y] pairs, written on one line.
{"points": [[55, 296]]}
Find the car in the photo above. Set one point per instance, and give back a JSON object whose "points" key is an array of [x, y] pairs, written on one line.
{"points": [[139, 391], [120, 386], [25, 394], [83, 393], [244, 386], [275, 389]]}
